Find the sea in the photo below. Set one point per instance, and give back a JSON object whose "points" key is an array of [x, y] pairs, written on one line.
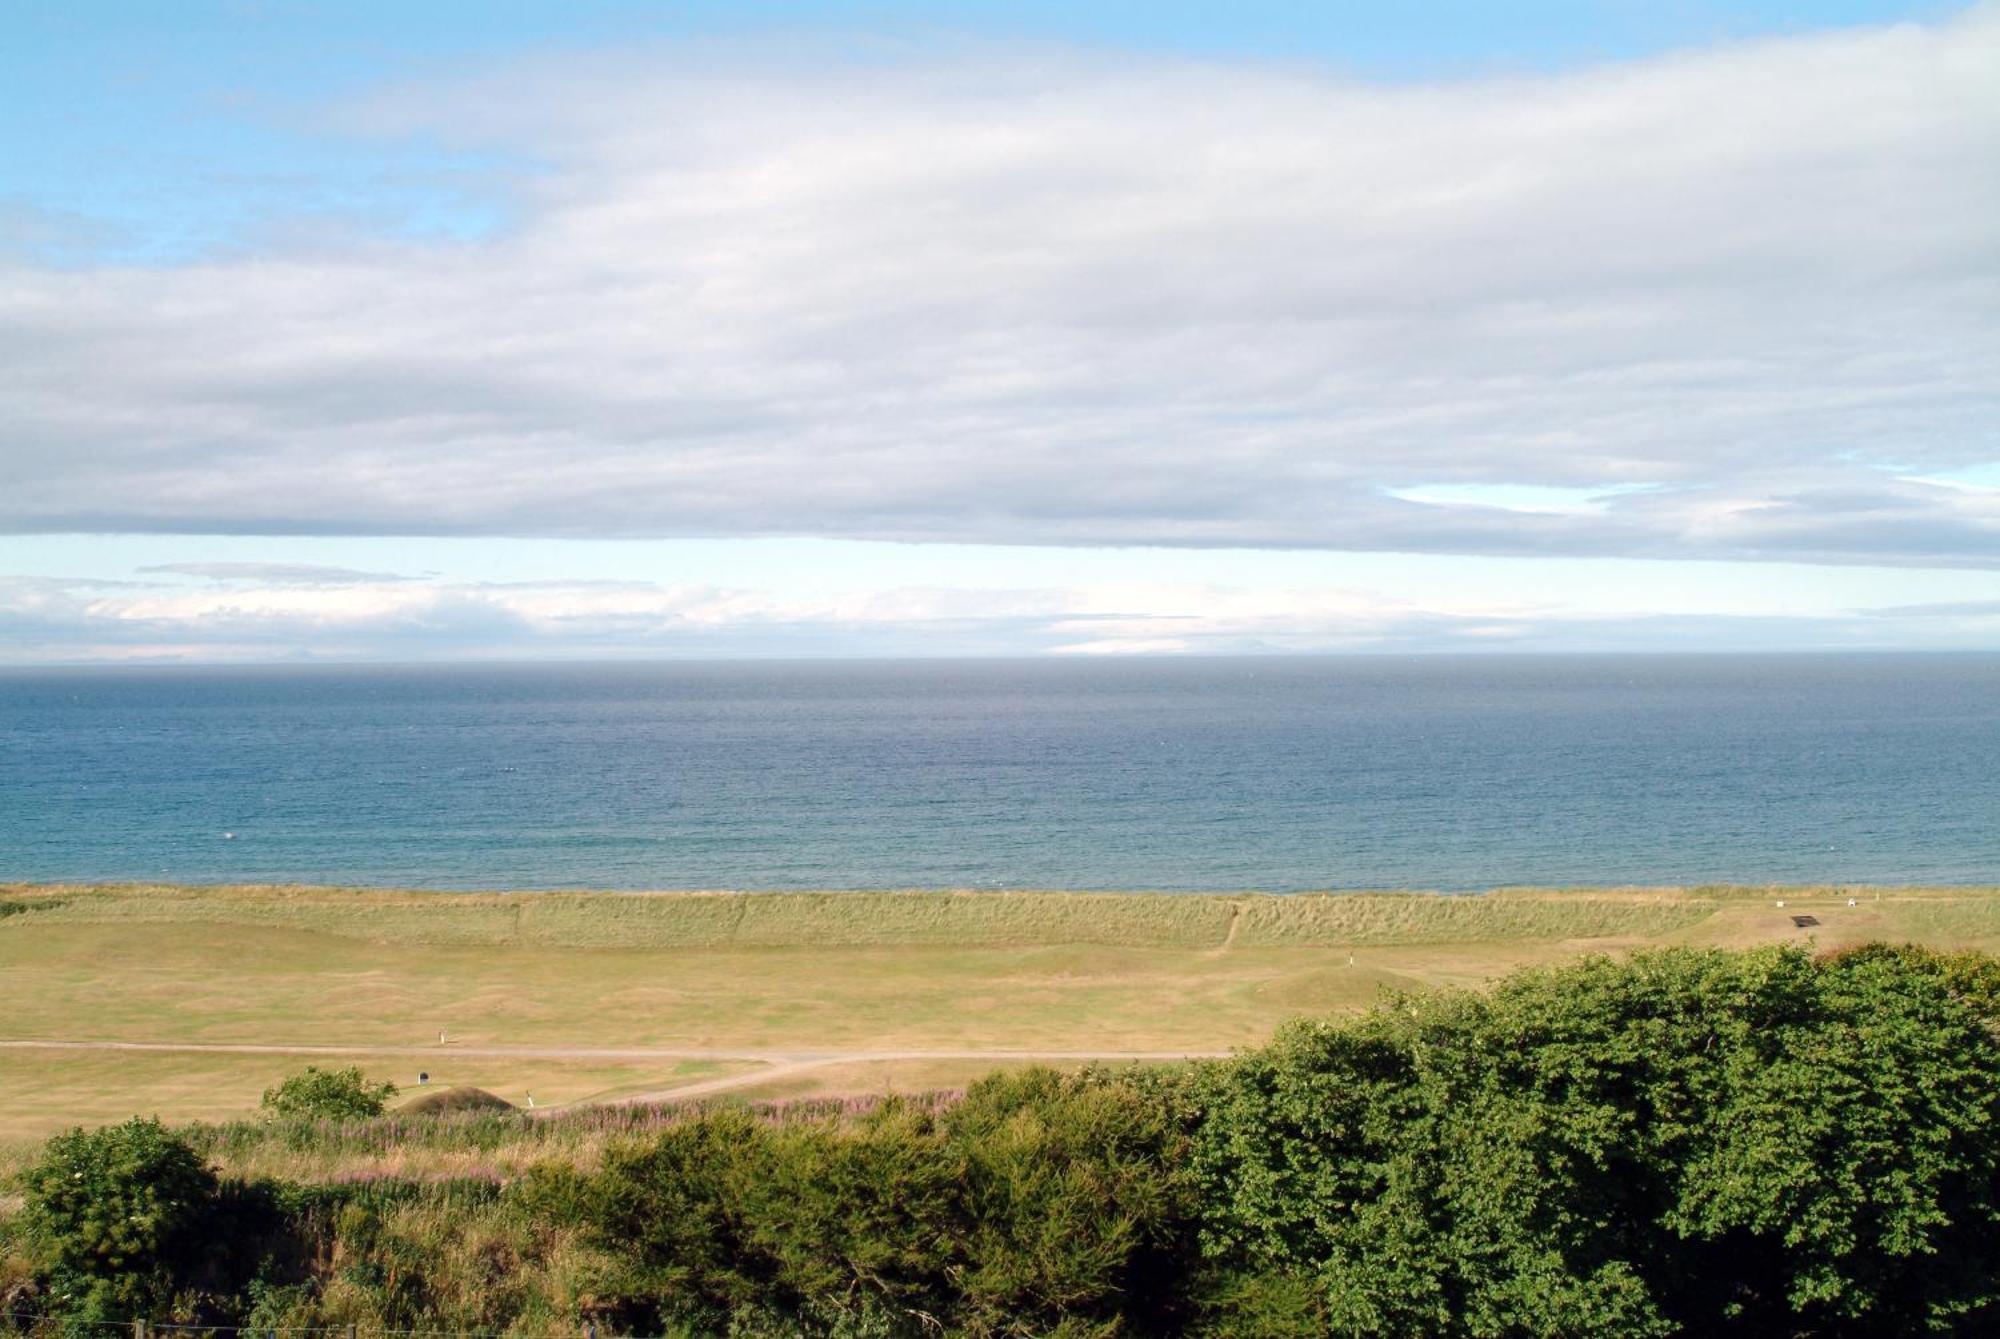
{"points": [[1438, 772]]}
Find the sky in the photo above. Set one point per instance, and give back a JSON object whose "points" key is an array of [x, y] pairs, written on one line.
{"points": [[372, 331]]}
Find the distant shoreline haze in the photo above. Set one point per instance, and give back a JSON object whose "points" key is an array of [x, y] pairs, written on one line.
{"points": [[1280, 774]]}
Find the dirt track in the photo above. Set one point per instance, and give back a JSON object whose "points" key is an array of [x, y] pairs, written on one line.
{"points": [[775, 1064]]}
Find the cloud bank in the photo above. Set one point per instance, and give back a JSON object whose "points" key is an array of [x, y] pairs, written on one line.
{"points": [[59, 620], [1735, 301]]}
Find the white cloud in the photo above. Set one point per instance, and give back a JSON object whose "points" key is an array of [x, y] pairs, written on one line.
{"points": [[302, 574], [1030, 296]]}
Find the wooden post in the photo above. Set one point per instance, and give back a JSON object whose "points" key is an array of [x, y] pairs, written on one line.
{"points": [[350, 1330], [139, 1329]]}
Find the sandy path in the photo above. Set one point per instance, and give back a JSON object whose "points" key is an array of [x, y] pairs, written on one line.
{"points": [[583, 1052], [775, 1064]]}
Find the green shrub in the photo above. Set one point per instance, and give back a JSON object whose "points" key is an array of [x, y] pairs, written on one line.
{"points": [[858, 1225], [1042, 1204], [1683, 1142], [121, 1218], [673, 1208], [328, 1094], [554, 1193], [1076, 1212]]}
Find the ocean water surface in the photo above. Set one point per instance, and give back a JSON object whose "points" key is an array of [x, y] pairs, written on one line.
{"points": [[1284, 774]]}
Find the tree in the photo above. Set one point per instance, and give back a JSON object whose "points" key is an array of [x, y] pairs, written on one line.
{"points": [[328, 1094]]}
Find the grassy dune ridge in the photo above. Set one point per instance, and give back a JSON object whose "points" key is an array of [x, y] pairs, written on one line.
{"points": [[881, 990], [951, 918]]}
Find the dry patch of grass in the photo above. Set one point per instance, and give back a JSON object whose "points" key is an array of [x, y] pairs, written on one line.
{"points": [[51, 1090], [464, 1146], [878, 1077]]}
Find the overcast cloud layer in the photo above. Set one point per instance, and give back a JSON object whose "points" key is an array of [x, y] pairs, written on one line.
{"points": [[1066, 298]]}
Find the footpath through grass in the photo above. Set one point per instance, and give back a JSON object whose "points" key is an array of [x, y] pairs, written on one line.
{"points": [[751, 982]]}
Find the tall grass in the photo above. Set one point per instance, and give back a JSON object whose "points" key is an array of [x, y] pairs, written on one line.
{"points": [[487, 1146], [946, 919], [1375, 919], [660, 920]]}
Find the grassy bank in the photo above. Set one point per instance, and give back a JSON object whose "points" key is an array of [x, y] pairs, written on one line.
{"points": [[852, 982]]}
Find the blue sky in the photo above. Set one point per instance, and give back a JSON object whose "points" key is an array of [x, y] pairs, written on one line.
{"points": [[485, 330]]}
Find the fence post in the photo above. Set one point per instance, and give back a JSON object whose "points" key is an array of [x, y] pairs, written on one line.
{"points": [[139, 1328], [350, 1330]]}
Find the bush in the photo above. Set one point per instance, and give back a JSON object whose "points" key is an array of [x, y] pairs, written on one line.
{"points": [[121, 1217], [1076, 1211], [857, 1225], [1701, 1143], [1042, 1204], [328, 1094], [674, 1208]]}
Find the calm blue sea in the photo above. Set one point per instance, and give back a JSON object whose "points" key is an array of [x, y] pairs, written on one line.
{"points": [[1179, 774]]}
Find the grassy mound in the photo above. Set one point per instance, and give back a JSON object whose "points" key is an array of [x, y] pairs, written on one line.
{"points": [[453, 1102]]}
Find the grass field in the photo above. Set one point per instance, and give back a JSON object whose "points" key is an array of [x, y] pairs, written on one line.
{"points": [[767, 994]]}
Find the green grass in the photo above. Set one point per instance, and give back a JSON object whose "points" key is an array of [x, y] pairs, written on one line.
{"points": [[741, 973], [652, 920]]}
